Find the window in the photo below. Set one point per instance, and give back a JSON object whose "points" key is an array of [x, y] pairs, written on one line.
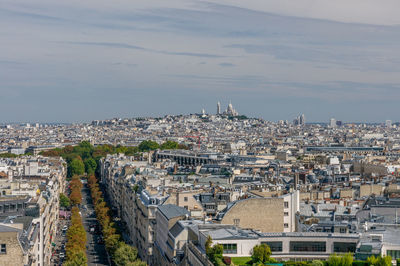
{"points": [[307, 246], [285, 214], [286, 225], [186, 207], [395, 254], [236, 222], [344, 247], [343, 230], [275, 246], [286, 204], [3, 249], [185, 199], [230, 248]]}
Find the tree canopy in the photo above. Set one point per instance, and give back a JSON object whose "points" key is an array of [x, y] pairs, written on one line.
{"points": [[76, 167], [148, 145], [64, 201], [379, 261], [169, 145], [76, 240], [261, 253], [90, 165], [124, 255], [214, 253], [343, 260]]}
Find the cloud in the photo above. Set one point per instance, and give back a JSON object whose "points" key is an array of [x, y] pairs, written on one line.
{"points": [[124, 64], [10, 62], [135, 47], [355, 11], [31, 15], [109, 44], [226, 65], [315, 55]]}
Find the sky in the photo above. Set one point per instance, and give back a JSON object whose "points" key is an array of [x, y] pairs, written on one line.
{"points": [[77, 61]]}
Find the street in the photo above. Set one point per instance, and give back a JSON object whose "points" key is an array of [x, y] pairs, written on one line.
{"points": [[96, 253], [60, 241]]}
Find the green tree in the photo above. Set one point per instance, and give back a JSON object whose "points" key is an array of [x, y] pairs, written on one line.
{"points": [[372, 260], [137, 263], [148, 145], [112, 242], [86, 144], [76, 167], [347, 259], [208, 244], [121, 149], [132, 151], [8, 155], [169, 145], [90, 165], [64, 201], [77, 259], [379, 261], [317, 263], [261, 253], [386, 261], [125, 254], [336, 260], [214, 253]]}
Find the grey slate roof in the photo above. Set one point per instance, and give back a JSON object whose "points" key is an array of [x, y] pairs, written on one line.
{"points": [[176, 229], [170, 211], [4, 228], [25, 220]]}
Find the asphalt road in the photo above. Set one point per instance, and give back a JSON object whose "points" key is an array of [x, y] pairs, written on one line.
{"points": [[96, 253]]}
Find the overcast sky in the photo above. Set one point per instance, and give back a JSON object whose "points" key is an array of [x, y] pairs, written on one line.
{"points": [[72, 61]]}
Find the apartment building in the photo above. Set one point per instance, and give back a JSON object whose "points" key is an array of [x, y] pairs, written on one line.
{"points": [[275, 214], [34, 202], [146, 209], [11, 251], [166, 217]]}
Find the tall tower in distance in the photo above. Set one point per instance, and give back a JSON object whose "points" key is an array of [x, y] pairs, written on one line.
{"points": [[302, 119], [332, 123], [218, 108]]}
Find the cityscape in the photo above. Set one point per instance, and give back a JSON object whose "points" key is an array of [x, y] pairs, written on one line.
{"points": [[199, 133], [307, 190]]}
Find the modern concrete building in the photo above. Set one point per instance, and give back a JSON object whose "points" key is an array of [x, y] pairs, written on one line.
{"points": [[383, 240], [284, 246]]}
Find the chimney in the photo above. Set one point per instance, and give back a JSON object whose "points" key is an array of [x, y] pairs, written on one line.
{"points": [[10, 175]]}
